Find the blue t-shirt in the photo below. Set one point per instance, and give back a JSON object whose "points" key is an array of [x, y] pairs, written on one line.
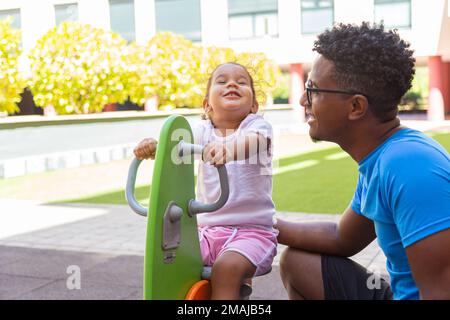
{"points": [[404, 187]]}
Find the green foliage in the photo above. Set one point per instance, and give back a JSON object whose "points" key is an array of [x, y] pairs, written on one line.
{"points": [[174, 64], [177, 71], [141, 73], [280, 93], [411, 100], [11, 81], [77, 68], [211, 58], [415, 98], [265, 73]]}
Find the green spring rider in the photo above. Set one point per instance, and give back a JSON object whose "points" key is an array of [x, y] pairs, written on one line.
{"points": [[173, 268]]}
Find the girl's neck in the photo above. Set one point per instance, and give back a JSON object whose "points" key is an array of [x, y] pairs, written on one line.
{"points": [[224, 126]]}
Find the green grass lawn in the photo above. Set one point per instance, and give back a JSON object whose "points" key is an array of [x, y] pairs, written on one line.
{"points": [[326, 186], [319, 182], [114, 197]]}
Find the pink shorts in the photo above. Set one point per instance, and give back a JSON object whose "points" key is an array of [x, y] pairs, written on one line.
{"points": [[257, 245]]}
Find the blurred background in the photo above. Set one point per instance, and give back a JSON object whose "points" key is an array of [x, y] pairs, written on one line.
{"points": [[84, 81], [154, 54]]}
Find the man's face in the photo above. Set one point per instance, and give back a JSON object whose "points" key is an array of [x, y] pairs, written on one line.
{"points": [[326, 116]]}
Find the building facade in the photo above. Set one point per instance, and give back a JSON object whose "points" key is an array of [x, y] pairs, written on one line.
{"points": [[283, 29]]}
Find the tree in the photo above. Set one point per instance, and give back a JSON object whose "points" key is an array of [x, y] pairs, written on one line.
{"points": [[264, 71], [77, 68], [165, 67], [142, 81], [12, 82], [177, 71]]}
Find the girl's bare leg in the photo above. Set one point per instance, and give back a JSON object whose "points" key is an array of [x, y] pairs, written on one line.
{"points": [[229, 272]]}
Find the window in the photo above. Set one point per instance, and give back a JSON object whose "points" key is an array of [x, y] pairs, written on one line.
{"points": [[252, 18], [14, 14], [393, 13], [179, 16], [122, 18], [66, 12], [317, 15]]}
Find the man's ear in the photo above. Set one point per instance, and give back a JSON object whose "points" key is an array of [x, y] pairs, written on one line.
{"points": [[359, 107]]}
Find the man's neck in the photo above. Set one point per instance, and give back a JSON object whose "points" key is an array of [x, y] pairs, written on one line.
{"points": [[363, 141]]}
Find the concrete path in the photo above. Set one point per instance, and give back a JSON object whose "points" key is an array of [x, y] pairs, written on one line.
{"points": [[43, 242], [37, 149]]}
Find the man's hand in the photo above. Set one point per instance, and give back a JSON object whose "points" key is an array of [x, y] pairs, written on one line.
{"points": [[352, 234], [146, 149], [217, 154]]}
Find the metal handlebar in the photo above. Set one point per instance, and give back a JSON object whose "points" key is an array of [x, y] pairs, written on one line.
{"points": [[129, 190], [194, 206]]}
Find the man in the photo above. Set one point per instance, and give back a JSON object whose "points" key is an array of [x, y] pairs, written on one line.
{"points": [[403, 191]]}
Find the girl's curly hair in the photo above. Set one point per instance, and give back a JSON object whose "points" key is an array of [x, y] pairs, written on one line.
{"points": [[256, 93], [370, 60]]}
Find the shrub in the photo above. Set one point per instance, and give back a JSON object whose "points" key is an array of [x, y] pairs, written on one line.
{"points": [[176, 70], [166, 67], [77, 68], [264, 71], [281, 91], [11, 81], [415, 98]]}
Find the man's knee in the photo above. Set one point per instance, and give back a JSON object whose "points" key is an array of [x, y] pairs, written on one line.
{"points": [[301, 274], [294, 260], [286, 260]]}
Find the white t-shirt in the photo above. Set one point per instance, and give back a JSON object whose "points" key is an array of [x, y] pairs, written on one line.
{"points": [[250, 200]]}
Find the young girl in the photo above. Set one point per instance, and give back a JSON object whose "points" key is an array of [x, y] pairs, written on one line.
{"points": [[238, 240]]}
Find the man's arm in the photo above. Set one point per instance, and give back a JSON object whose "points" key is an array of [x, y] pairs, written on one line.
{"points": [[352, 234], [429, 260]]}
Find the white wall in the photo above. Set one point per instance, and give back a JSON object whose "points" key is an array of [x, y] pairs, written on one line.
{"points": [[426, 21], [144, 20], [37, 17], [214, 22], [346, 11], [290, 46], [444, 42], [95, 13], [429, 34]]}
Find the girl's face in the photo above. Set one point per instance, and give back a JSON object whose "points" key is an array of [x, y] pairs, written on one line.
{"points": [[230, 94]]}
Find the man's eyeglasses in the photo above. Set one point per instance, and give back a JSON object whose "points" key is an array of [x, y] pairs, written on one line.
{"points": [[309, 89]]}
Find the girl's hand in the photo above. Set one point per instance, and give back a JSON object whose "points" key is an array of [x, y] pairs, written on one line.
{"points": [[146, 149], [217, 154]]}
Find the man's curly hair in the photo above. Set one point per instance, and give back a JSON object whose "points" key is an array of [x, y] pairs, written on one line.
{"points": [[369, 60]]}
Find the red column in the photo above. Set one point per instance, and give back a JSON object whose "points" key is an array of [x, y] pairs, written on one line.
{"points": [[297, 85], [446, 70], [110, 107], [436, 88]]}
